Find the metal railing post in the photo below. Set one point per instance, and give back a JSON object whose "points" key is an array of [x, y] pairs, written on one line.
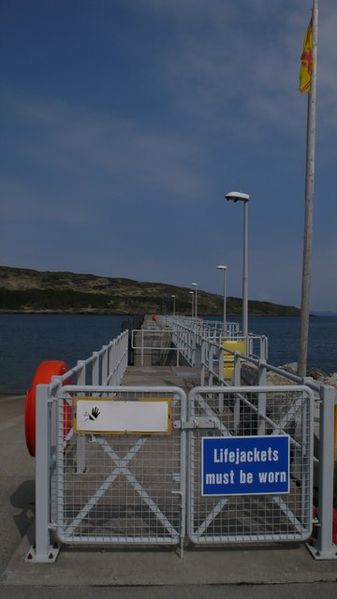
{"points": [[42, 499], [188, 350], [203, 360], [236, 383], [42, 552], [221, 373], [53, 420], [237, 371], [104, 365], [114, 363], [110, 360], [221, 376], [95, 369], [262, 398], [188, 337], [126, 351], [142, 350], [210, 366], [325, 548], [248, 346], [194, 349], [80, 439]]}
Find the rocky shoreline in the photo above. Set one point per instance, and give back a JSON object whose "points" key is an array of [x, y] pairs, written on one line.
{"points": [[315, 373]]}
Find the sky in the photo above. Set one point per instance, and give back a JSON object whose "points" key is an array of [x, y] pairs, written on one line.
{"points": [[124, 123]]}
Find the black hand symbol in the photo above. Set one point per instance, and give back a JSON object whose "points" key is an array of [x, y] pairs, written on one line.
{"points": [[95, 413]]}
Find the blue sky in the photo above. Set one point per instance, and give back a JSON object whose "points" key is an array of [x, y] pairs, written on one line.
{"points": [[124, 122]]}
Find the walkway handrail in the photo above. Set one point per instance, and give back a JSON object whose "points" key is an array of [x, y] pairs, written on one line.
{"points": [[190, 334], [193, 326], [107, 365]]}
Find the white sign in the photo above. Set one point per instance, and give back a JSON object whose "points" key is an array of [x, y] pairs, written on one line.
{"points": [[114, 416]]}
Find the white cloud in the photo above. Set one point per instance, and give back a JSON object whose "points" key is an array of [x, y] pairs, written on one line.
{"points": [[236, 63], [75, 141]]}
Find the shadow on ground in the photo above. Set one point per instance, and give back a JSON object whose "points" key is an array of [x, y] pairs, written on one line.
{"points": [[23, 499]]}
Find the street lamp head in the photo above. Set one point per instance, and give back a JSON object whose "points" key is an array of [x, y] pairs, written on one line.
{"points": [[222, 267], [194, 284], [236, 196], [172, 295], [192, 292]]}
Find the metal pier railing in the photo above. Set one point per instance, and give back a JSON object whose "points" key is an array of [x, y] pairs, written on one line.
{"points": [[144, 481]]}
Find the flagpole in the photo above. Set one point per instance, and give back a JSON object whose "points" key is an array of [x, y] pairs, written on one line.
{"points": [[309, 203]]}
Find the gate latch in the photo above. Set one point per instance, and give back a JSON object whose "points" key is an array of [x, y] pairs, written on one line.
{"points": [[200, 422]]}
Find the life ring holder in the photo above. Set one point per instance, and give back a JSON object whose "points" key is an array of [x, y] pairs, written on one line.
{"points": [[43, 375]]}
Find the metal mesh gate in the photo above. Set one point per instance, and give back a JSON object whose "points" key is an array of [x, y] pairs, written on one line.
{"points": [[250, 412], [121, 488]]}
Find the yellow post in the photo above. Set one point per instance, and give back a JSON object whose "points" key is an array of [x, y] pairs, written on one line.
{"points": [[235, 346]]}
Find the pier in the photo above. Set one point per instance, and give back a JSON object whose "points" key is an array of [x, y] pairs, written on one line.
{"points": [[203, 471]]}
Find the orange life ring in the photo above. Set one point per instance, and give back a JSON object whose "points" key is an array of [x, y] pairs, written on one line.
{"points": [[42, 376]]}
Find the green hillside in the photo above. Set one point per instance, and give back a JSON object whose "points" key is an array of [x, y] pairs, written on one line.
{"points": [[32, 291]]}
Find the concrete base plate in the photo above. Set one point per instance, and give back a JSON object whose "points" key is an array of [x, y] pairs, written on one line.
{"points": [[322, 556], [50, 558]]}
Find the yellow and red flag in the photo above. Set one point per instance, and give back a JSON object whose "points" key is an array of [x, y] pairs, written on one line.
{"points": [[307, 60]]}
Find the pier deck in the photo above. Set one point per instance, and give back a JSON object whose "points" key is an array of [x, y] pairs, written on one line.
{"points": [[183, 377]]}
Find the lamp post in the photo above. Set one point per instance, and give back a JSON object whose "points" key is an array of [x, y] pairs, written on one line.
{"points": [[224, 269], [192, 298], [195, 285], [238, 196], [174, 304]]}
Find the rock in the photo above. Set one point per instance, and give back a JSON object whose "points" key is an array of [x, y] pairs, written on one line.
{"points": [[317, 374], [330, 381], [276, 379], [291, 367], [333, 377]]}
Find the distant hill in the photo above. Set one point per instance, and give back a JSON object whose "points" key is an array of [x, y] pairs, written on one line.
{"points": [[32, 291], [324, 313]]}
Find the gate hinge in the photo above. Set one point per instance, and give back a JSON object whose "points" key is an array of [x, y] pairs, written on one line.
{"points": [[196, 423]]}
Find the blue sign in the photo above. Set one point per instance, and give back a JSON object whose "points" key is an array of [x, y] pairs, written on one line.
{"points": [[245, 465]]}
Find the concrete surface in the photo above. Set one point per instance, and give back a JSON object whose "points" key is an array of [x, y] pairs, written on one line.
{"points": [[285, 591], [16, 478], [183, 377], [283, 570], [277, 564]]}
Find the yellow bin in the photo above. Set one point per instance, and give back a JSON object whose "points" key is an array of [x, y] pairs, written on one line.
{"points": [[235, 346]]}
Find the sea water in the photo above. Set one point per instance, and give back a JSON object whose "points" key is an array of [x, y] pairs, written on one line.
{"points": [[27, 339]]}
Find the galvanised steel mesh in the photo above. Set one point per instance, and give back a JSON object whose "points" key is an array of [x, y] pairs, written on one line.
{"points": [[122, 488], [252, 518]]}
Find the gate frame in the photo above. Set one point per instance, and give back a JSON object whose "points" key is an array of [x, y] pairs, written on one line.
{"points": [[44, 551], [47, 397], [209, 422]]}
